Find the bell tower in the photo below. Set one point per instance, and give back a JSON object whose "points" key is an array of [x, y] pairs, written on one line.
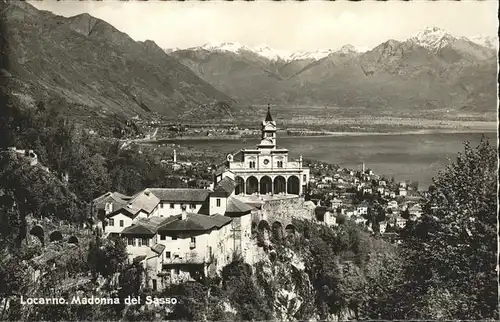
{"points": [[268, 137]]}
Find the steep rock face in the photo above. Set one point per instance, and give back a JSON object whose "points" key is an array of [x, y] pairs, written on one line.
{"points": [[286, 285], [87, 62], [449, 48]]}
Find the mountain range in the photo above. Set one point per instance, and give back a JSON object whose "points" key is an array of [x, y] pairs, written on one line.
{"points": [[431, 70], [91, 68], [431, 38]]}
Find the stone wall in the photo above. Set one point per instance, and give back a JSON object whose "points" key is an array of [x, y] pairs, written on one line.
{"points": [[283, 211]]}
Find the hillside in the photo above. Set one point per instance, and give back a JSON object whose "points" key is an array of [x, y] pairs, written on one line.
{"points": [[92, 67], [432, 70]]}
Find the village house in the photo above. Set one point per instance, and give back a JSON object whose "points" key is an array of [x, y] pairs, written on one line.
{"points": [[325, 215], [324, 186], [367, 190], [402, 192], [327, 180], [163, 228], [362, 209], [400, 222], [183, 247], [336, 203], [118, 211], [393, 204], [173, 199]]}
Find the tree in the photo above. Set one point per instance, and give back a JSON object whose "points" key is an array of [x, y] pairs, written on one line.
{"points": [[106, 257], [451, 251]]}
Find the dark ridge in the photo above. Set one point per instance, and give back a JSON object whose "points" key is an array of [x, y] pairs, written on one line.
{"points": [[4, 74]]}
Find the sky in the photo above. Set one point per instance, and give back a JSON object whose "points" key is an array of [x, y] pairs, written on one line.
{"points": [[288, 26]]}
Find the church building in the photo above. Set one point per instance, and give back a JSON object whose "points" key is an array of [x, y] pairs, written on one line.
{"points": [[266, 169]]}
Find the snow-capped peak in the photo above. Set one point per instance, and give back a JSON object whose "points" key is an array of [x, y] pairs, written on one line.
{"points": [[225, 46], [486, 41], [315, 55], [271, 54], [348, 49], [433, 38]]}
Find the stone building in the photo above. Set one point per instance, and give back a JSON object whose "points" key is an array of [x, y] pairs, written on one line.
{"points": [[266, 169]]}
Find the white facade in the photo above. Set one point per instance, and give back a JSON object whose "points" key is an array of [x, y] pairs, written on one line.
{"points": [[167, 209], [117, 223], [218, 205], [362, 210], [266, 169]]}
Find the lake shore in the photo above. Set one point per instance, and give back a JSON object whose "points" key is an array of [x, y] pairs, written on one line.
{"points": [[322, 135]]}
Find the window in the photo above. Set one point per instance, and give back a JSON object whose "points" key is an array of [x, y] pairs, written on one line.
{"points": [[280, 164], [172, 206], [174, 238], [131, 241], [162, 237], [305, 177], [218, 202], [121, 223], [145, 241], [252, 164], [139, 242], [193, 243], [177, 271], [161, 205], [167, 254], [154, 284], [192, 206], [111, 222]]}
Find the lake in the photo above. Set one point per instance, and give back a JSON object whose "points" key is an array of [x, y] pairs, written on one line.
{"points": [[416, 157]]}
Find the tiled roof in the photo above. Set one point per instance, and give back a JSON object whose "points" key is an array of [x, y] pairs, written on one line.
{"points": [[158, 248], [237, 207], [226, 185], [117, 199], [238, 156], [205, 208], [129, 206], [222, 168], [137, 230], [180, 194], [194, 223], [146, 226], [146, 201], [127, 210]]}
